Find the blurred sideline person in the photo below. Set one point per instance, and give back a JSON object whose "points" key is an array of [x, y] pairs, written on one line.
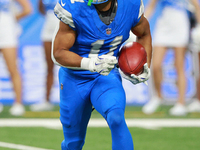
{"points": [[8, 47], [86, 46], [171, 31], [195, 42], [46, 8]]}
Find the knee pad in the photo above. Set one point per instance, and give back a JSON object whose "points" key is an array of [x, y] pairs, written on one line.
{"points": [[115, 117], [73, 145]]}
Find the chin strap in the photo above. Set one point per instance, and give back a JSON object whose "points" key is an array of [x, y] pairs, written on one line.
{"points": [[89, 2]]}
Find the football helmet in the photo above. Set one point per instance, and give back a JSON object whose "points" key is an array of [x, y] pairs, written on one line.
{"points": [[89, 2]]}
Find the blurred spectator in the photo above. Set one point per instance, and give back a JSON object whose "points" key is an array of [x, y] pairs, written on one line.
{"points": [[171, 31], [8, 47], [46, 8], [195, 46]]}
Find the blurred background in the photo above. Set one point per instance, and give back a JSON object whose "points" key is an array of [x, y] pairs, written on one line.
{"points": [[32, 64], [43, 129]]}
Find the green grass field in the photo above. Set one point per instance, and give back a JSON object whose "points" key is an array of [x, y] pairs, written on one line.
{"points": [[99, 138]]}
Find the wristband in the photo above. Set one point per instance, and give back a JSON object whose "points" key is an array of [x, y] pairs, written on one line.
{"points": [[85, 63]]}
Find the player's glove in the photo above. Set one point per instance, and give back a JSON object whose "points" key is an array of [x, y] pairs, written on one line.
{"points": [[140, 78], [101, 64], [195, 36]]}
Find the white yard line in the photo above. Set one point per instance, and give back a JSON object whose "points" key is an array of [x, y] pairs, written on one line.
{"points": [[55, 124], [143, 123], [19, 147], [30, 123]]}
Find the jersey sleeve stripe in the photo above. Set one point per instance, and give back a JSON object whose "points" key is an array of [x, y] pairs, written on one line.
{"points": [[64, 15], [141, 11]]}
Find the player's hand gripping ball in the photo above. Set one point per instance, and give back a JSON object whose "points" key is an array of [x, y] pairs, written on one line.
{"points": [[132, 62], [132, 58]]}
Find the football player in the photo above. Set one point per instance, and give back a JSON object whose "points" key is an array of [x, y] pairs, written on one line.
{"points": [[86, 46]]}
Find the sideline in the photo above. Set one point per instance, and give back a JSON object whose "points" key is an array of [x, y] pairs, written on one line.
{"points": [[142, 123], [19, 146]]}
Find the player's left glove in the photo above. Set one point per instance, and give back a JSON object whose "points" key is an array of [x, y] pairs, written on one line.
{"points": [[140, 78]]}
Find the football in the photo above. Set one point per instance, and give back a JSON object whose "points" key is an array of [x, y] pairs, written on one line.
{"points": [[132, 58]]}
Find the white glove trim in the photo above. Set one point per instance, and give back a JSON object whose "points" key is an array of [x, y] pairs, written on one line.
{"points": [[85, 63], [102, 64]]}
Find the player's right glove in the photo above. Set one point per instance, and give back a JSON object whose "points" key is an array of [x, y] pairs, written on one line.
{"points": [[101, 64], [129, 78], [140, 78]]}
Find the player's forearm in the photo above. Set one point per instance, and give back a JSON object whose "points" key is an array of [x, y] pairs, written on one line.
{"points": [[67, 58], [142, 31], [146, 42]]}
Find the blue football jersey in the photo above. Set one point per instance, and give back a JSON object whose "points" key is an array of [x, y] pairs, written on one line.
{"points": [[93, 36]]}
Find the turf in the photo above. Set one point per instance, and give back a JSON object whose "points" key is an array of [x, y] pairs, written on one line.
{"points": [[99, 138], [164, 139], [38, 137]]}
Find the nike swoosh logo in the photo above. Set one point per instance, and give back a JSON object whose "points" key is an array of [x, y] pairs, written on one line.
{"points": [[63, 4], [101, 71], [98, 64]]}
